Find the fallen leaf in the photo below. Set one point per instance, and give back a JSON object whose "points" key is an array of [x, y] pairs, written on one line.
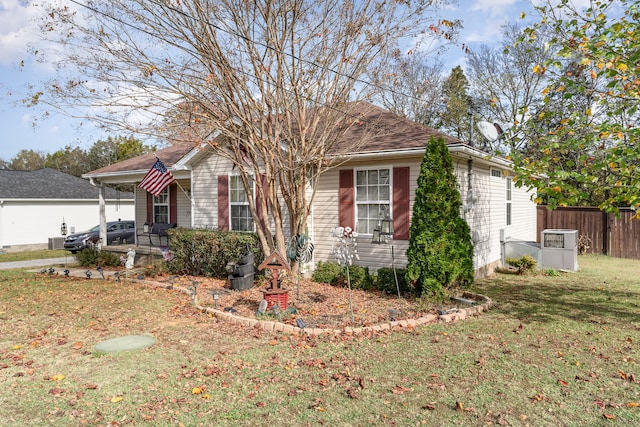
{"points": [[563, 383], [56, 391], [459, 406], [57, 378], [197, 390], [116, 399], [261, 404], [633, 404], [351, 392], [609, 416], [429, 407], [398, 389], [77, 345]]}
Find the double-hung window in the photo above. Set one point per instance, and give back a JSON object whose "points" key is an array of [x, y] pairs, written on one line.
{"points": [[373, 198], [161, 207], [239, 212]]}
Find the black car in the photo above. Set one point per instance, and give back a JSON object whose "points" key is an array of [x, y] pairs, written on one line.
{"points": [[118, 232]]}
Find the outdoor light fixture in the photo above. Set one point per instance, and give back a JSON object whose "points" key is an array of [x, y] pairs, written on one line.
{"points": [[384, 229], [88, 274], [145, 228], [63, 228]]}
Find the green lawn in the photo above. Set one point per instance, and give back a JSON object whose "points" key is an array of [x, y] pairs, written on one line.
{"points": [[553, 351], [27, 255]]}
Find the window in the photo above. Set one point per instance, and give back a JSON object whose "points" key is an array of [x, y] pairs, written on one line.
{"points": [[496, 173], [241, 219], [161, 207], [508, 199], [373, 191]]}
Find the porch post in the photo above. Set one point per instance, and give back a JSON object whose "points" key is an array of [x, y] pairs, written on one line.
{"points": [[103, 216]]}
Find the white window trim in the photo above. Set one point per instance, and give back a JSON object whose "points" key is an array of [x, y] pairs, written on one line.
{"points": [[230, 203], [167, 204], [355, 193]]}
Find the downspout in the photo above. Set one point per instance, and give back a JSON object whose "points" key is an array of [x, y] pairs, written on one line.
{"points": [[102, 212]]}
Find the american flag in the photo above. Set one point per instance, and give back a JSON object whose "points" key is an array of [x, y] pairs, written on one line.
{"points": [[157, 179]]}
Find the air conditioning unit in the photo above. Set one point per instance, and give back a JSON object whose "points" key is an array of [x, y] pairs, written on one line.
{"points": [[56, 243], [559, 249]]}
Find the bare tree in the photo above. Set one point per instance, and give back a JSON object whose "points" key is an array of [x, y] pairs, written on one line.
{"points": [[415, 91], [505, 78], [266, 83]]}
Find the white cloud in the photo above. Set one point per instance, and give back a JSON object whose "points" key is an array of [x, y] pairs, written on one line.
{"points": [[497, 7], [16, 29]]}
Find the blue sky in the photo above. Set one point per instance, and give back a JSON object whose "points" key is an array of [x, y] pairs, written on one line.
{"points": [[482, 21]]}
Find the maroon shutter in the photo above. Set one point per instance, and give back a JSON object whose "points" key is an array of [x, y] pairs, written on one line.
{"points": [[346, 199], [401, 203], [149, 208], [173, 204], [223, 202], [260, 201]]}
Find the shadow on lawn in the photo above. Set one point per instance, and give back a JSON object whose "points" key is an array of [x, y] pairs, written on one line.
{"points": [[547, 301]]}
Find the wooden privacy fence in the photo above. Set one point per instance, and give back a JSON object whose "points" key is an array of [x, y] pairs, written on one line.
{"points": [[610, 234]]}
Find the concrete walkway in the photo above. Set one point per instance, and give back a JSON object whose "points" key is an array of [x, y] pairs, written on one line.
{"points": [[37, 263]]}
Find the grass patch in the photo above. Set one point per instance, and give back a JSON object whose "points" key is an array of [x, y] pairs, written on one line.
{"points": [[27, 255], [554, 351]]}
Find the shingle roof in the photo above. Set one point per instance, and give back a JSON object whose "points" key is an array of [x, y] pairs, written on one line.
{"points": [[50, 184], [392, 132], [169, 157]]}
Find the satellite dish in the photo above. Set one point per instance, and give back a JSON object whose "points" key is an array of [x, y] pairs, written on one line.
{"points": [[488, 130]]}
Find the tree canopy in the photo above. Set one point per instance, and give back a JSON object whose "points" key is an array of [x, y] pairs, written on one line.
{"points": [[265, 82], [587, 132]]}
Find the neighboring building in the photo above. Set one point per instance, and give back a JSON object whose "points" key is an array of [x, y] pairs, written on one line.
{"points": [[202, 197], [33, 205]]}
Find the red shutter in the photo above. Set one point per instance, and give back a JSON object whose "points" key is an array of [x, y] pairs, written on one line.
{"points": [[262, 201], [149, 208], [223, 202], [346, 199], [401, 203], [173, 204]]}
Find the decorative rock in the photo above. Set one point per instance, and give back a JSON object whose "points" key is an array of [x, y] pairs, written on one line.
{"points": [[403, 323], [268, 326], [446, 318]]}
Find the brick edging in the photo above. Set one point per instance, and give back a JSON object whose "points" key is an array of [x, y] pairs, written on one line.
{"points": [[484, 304]]}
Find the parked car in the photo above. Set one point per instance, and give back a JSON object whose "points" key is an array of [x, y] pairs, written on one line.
{"points": [[118, 232]]}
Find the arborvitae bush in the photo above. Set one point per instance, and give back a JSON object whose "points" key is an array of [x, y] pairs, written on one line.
{"points": [[440, 253]]}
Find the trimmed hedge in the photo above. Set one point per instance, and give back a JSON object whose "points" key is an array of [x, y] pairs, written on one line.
{"points": [[334, 274], [206, 252]]}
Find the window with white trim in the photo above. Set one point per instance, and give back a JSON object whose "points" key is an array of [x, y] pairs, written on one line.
{"points": [[508, 180], [161, 207], [239, 212], [373, 198]]}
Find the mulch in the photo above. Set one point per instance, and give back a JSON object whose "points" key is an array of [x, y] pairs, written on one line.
{"points": [[320, 305]]}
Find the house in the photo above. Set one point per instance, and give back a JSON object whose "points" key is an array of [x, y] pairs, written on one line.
{"points": [[387, 165], [34, 204]]}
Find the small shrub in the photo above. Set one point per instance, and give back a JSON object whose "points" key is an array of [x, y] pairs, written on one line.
{"points": [[334, 274], [524, 264], [156, 268], [91, 257], [386, 281], [552, 272], [327, 272]]}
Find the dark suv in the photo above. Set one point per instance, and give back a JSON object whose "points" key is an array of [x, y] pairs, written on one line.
{"points": [[118, 232]]}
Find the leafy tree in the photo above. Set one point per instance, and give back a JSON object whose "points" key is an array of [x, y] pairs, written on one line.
{"points": [[595, 70], [440, 253], [105, 152], [71, 160], [29, 160], [266, 83]]}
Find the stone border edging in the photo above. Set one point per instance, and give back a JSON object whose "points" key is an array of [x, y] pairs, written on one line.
{"points": [[484, 304]]}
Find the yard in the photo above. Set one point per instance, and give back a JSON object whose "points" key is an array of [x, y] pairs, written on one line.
{"points": [[554, 350]]}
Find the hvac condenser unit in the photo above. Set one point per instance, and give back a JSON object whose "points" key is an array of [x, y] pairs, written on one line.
{"points": [[559, 249]]}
